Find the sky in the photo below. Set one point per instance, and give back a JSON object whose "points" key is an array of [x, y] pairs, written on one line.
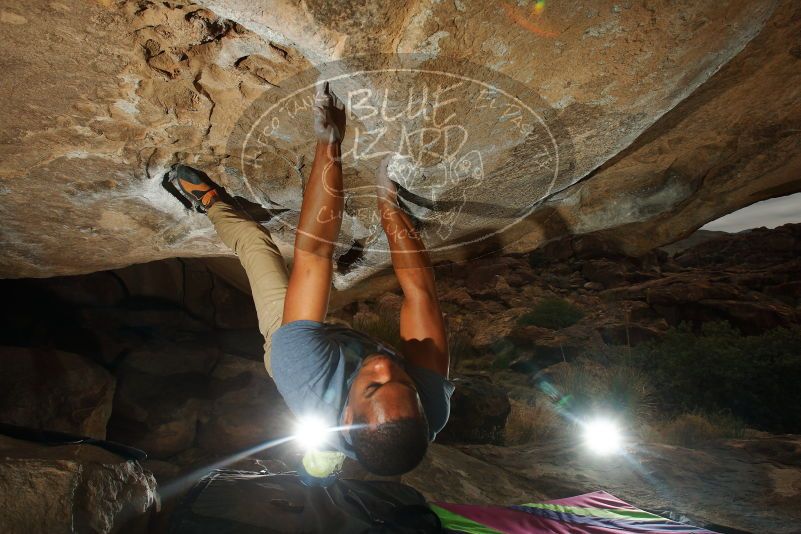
{"points": [[770, 213]]}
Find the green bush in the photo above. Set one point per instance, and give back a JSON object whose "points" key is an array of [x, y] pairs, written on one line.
{"points": [[755, 378], [501, 362], [553, 313]]}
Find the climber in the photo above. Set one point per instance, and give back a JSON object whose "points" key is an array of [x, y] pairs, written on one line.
{"points": [[392, 401]]}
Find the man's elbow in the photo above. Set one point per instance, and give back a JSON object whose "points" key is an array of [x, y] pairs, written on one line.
{"points": [[418, 283], [317, 263], [317, 248]]}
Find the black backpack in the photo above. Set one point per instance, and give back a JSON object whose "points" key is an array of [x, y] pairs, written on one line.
{"points": [[245, 502]]}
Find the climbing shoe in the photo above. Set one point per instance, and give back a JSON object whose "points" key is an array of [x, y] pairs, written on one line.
{"points": [[195, 186]]}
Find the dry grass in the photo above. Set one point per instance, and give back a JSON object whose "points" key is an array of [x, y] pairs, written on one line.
{"points": [[584, 388], [698, 429], [531, 423], [384, 325], [587, 387], [460, 348]]}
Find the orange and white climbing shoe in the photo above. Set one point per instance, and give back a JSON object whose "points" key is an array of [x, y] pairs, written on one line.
{"points": [[195, 186]]}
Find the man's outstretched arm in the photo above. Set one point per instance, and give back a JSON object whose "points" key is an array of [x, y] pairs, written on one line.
{"points": [[422, 327], [320, 216]]}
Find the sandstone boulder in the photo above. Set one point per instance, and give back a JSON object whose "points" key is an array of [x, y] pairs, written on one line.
{"points": [[520, 278], [245, 408], [72, 488], [551, 346], [486, 276], [231, 308], [96, 289], [605, 272], [480, 481], [753, 248], [638, 131], [158, 414], [195, 286], [247, 343], [167, 357], [54, 390], [751, 485], [478, 412], [629, 335]]}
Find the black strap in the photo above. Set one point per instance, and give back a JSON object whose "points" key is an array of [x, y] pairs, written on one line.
{"points": [[52, 437]]}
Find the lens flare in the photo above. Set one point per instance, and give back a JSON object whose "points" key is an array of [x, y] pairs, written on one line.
{"points": [[603, 437], [310, 433]]}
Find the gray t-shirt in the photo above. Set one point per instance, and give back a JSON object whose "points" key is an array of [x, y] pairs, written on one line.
{"points": [[314, 364]]}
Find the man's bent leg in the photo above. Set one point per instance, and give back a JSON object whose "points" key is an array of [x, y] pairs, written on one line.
{"points": [[263, 264]]}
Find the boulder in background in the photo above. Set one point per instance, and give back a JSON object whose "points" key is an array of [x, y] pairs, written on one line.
{"points": [[478, 412], [71, 488], [54, 390]]}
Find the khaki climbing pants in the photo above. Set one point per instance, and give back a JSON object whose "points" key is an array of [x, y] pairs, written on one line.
{"points": [[263, 264]]}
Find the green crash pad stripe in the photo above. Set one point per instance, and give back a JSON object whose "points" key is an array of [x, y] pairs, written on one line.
{"points": [[639, 515], [453, 521]]}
